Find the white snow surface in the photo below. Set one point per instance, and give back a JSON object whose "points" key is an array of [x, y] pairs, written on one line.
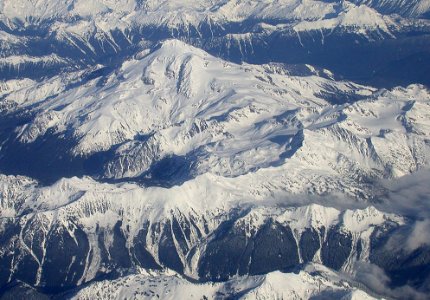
{"points": [[182, 15], [361, 17], [414, 8], [207, 200], [266, 130], [276, 285], [258, 136], [83, 24]]}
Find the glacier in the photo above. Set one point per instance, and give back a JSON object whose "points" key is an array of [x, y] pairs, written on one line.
{"points": [[229, 149]]}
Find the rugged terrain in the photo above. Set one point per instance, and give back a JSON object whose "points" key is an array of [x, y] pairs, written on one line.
{"points": [[218, 149]]}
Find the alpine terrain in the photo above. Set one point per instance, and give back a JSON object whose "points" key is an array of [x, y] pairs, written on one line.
{"points": [[214, 149]]}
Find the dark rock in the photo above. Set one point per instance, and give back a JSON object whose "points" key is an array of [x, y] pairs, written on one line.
{"points": [[336, 248], [309, 244]]}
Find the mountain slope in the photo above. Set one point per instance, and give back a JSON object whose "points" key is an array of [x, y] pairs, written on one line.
{"points": [[177, 110], [219, 149], [301, 286], [414, 8], [89, 229], [107, 32], [78, 230]]}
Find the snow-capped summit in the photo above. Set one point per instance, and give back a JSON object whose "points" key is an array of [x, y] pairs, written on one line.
{"points": [[214, 149], [182, 15], [361, 18], [174, 101], [177, 229], [274, 285], [414, 8]]}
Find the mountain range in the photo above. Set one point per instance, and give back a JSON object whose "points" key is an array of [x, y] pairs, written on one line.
{"points": [[230, 149]]}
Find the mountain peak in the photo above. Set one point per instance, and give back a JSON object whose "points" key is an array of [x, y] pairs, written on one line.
{"points": [[179, 47], [147, 142]]}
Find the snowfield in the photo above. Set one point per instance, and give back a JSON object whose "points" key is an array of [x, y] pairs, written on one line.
{"points": [[258, 124], [230, 149], [277, 285]]}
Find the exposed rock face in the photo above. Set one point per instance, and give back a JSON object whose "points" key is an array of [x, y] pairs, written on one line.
{"points": [[74, 243], [250, 147]]}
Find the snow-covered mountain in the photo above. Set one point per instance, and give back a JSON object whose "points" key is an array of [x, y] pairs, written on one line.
{"points": [[314, 281], [52, 37], [413, 8], [169, 13], [77, 230], [177, 110], [214, 149], [86, 229]]}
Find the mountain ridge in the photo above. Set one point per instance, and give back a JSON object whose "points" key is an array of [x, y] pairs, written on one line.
{"points": [[243, 149]]}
